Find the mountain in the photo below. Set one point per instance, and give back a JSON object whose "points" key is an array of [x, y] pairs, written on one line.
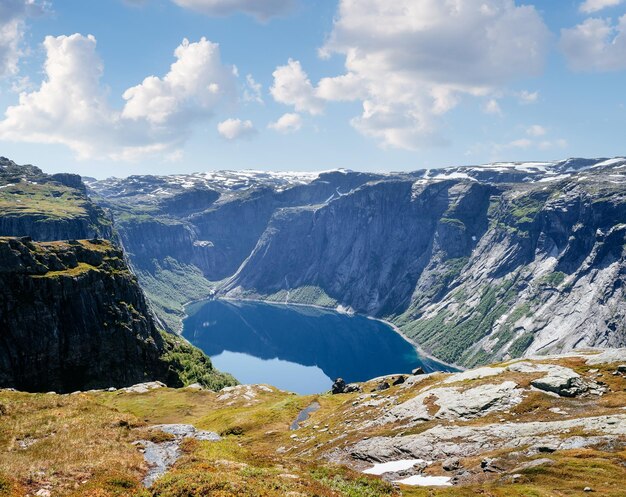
{"points": [[474, 263], [183, 233], [72, 315]]}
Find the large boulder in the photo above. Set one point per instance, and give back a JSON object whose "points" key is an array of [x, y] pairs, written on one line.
{"points": [[561, 381]]}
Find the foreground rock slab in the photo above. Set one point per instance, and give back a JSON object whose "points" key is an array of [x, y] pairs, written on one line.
{"points": [[442, 442]]}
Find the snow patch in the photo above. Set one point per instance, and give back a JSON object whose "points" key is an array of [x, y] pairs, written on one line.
{"points": [[393, 466], [426, 481]]}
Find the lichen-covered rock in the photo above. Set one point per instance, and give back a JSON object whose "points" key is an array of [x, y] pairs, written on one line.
{"points": [[442, 442], [454, 403], [562, 381]]}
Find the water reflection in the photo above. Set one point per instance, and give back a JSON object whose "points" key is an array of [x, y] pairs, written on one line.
{"points": [[297, 348]]}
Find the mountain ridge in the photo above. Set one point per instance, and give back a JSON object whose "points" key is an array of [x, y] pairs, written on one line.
{"points": [[399, 245]]}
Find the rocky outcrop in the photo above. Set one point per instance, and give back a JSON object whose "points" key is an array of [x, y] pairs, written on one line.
{"points": [[72, 317], [47, 207], [442, 442]]}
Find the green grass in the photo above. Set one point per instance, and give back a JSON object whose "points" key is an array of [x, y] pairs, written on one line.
{"points": [[450, 337], [188, 365], [361, 486], [554, 279], [308, 295], [170, 285], [518, 347], [47, 200]]}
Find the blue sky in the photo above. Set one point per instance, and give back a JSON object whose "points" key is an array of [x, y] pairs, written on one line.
{"points": [[89, 87]]}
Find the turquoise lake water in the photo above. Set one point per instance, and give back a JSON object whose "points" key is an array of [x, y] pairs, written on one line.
{"points": [[296, 348]]}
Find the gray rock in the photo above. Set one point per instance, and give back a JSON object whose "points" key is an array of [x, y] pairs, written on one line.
{"points": [[533, 464], [442, 442], [399, 380], [455, 403], [451, 464], [561, 381], [490, 465], [144, 387], [383, 385], [161, 456]]}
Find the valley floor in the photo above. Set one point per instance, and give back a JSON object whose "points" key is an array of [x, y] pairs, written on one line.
{"points": [[535, 427]]}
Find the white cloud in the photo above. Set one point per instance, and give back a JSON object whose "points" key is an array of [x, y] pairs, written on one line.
{"points": [[287, 123], [595, 45], [526, 143], [411, 61], [347, 88], [13, 14], [260, 9], [293, 87], [536, 130], [196, 83], [235, 129], [552, 144], [70, 106], [589, 6], [493, 107], [253, 90]]}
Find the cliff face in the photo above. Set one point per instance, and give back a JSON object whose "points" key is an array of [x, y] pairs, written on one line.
{"points": [[472, 271], [365, 250], [184, 233], [73, 317], [474, 263]]}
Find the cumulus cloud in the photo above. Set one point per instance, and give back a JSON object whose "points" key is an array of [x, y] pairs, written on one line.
{"points": [[262, 10], [596, 45], [70, 107], [196, 83], [235, 129], [293, 87], [13, 14], [589, 6], [287, 123], [411, 61]]}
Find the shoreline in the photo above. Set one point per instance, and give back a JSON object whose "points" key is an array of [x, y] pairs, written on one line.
{"points": [[421, 352]]}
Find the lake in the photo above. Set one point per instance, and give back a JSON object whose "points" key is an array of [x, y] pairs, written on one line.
{"points": [[297, 348]]}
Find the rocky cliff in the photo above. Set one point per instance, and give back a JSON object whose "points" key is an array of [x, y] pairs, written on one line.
{"points": [[183, 233], [72, 317], [474, 263]]}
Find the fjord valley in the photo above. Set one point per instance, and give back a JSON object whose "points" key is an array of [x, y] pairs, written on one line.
{"points": [[394, 282], [474, 264], [303, 248]]}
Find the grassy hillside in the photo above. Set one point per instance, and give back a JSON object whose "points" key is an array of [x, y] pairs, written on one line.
{"points": [[82, 445]]}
